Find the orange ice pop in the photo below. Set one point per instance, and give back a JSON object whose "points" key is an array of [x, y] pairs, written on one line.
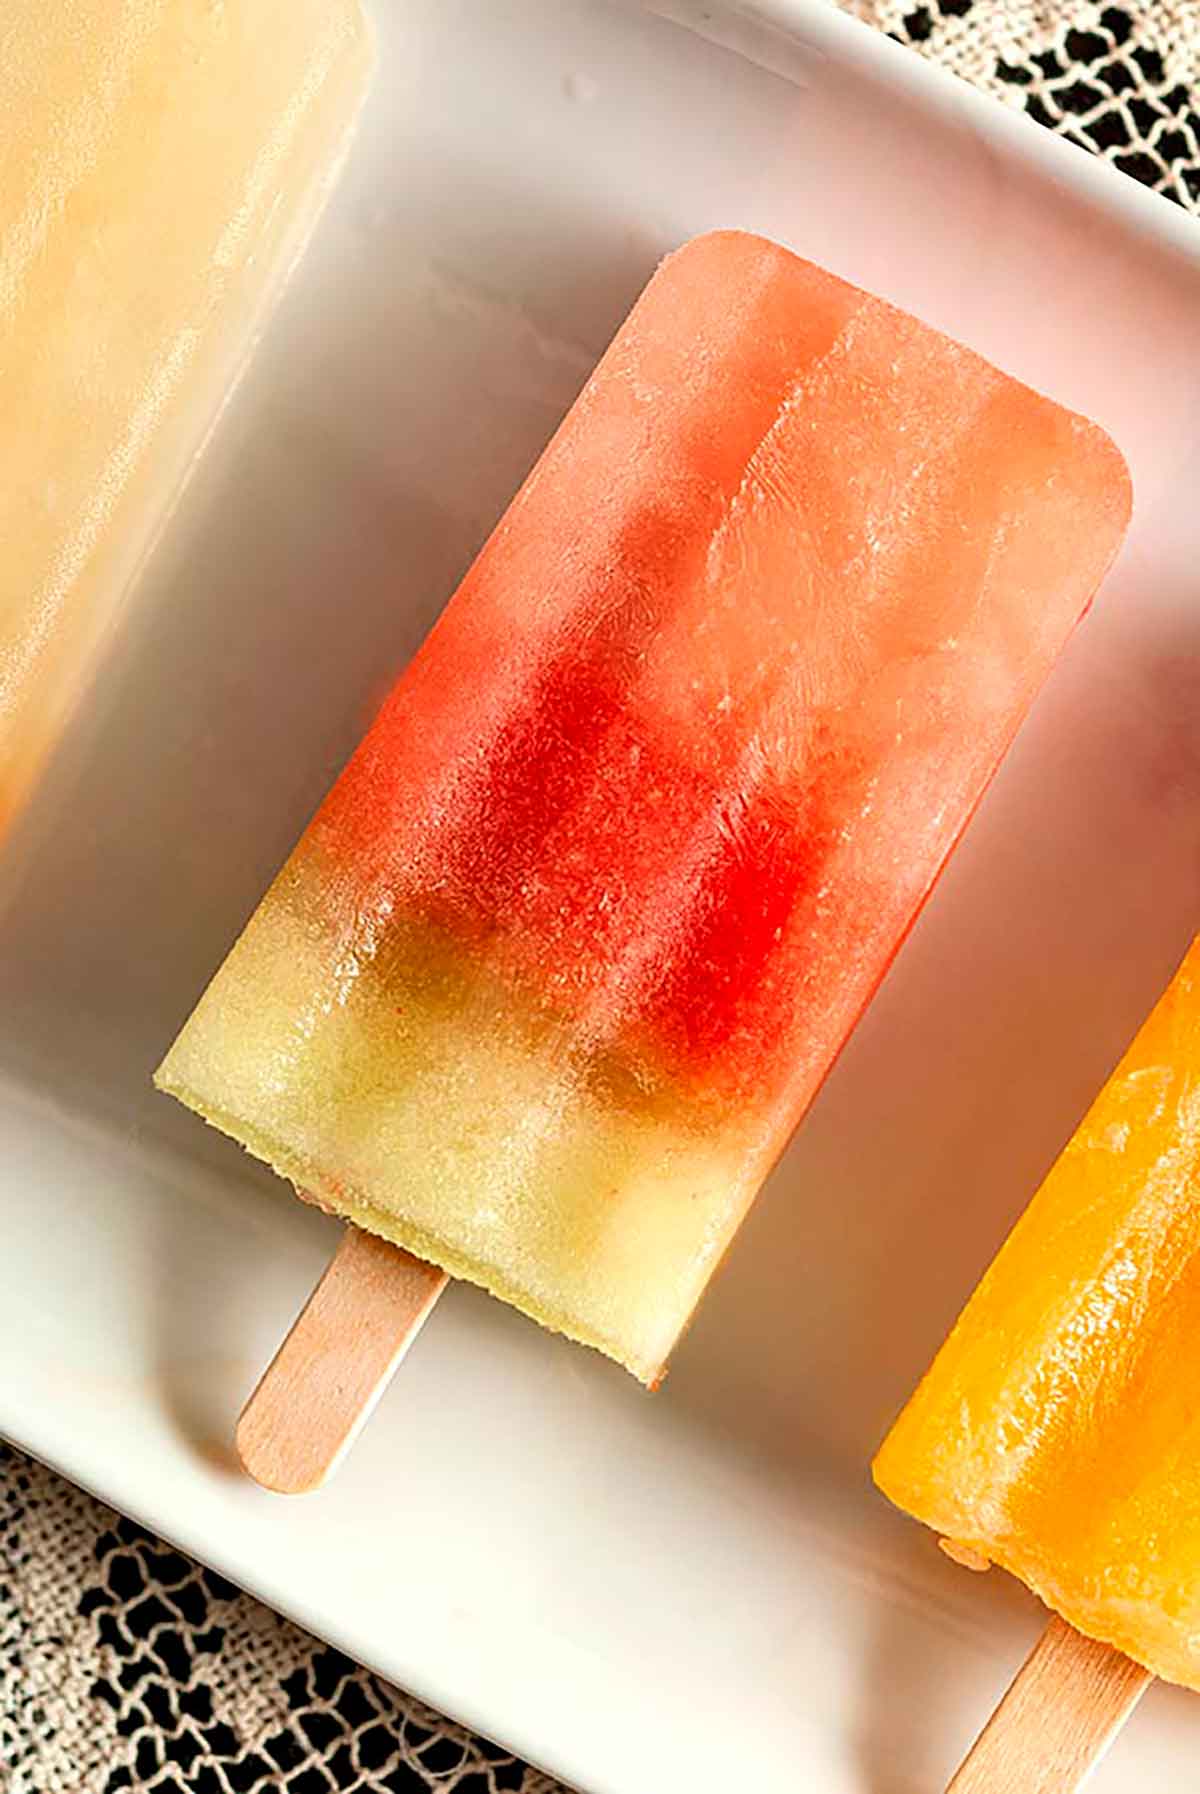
{"points": [[1057, 1432]]}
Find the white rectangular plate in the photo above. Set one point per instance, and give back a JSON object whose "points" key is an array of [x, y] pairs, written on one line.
{"points": [[697, 1591]]}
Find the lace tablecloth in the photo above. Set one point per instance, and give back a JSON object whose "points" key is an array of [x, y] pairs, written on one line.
{"points": [[124, 1665]]}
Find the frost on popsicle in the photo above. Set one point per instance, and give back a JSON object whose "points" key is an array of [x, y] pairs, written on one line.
{"points": [[573, 941]]}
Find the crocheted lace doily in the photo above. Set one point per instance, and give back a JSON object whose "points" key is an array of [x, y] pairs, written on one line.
{"points": [[123, 1665], [1123, 81]]}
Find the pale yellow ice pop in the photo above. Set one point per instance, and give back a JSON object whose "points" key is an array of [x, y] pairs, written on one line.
{"points": [[163, 163]]}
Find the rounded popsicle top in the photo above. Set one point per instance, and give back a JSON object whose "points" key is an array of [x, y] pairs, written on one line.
{"points": [[740, 266]]}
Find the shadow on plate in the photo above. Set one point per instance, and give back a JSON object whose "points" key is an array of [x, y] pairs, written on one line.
{"points": [[393, 408], [1055, 927], [931, 1680]]}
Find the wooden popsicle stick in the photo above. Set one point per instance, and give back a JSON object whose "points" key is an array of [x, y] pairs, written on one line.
{"points": [[318, 1391], [1066, 1704]]}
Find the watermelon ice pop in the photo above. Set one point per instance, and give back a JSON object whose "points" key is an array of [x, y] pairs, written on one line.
{"points": [[163, 163], [574, 939]]}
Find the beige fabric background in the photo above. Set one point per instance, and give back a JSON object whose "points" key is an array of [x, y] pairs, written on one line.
{"points": [[1123, 80], [122, 1665]]}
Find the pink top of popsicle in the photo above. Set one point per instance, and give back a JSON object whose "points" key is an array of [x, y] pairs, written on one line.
{"points": [[692, 739]]}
